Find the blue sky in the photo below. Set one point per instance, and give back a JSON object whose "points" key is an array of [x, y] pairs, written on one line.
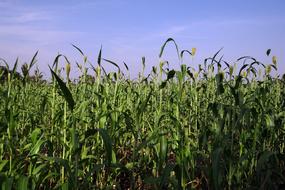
{"points": [[130, 29]]}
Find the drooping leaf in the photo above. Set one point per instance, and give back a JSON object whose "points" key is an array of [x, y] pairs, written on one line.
{"points": [[66, 92], [6, 64], [185, 51], [191, 75], [55, 62], [214, 57], [126, 66], [274, 67], [80, 51], [242, 68], [246, 58], [163, 46], [112, 62]]}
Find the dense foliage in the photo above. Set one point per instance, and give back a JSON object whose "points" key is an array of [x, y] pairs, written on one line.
{"points": [[220, 126]]}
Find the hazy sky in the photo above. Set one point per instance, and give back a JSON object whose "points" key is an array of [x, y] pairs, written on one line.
{"points": [[130, 29]]}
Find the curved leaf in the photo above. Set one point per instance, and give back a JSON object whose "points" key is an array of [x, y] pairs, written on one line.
{"points": [[81, 52], [113, 63], [66, 92], [163, 46]]}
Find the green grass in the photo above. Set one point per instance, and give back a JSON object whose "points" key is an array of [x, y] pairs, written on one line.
{"points": [[218, 126]]}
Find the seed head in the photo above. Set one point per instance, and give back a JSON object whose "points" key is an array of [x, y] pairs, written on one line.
{"points": [[67, 69], [9, 77], [268, 70], [274, 60], [193, 51]]}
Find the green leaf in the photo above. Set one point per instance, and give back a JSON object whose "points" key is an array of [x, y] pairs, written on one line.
{"points": [[145, 143], [216, 167], [22, 183], [5, 62], [163, 46], [74, 139], [163, 149], [7, 183], [108, 146], [214, 57], [142, 106], [113, 63], [80, 51], [274, 67], [38, 169], [64, 186], [55, 62], [268, 52], [15, 66], [34, 135], [185, 51], [99, 57], [66, 92], [37, 146], [269, 121], [33, 61], [126, 66], [242, 68], [2, 164]]}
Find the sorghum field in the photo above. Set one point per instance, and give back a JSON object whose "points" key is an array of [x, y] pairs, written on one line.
{"points": [[218, 126]]}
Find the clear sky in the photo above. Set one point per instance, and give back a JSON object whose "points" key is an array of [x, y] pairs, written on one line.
{"points": [[130, 29]]}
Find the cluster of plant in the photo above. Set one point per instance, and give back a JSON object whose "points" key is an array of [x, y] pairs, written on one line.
{"points": [[221, 126]]}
